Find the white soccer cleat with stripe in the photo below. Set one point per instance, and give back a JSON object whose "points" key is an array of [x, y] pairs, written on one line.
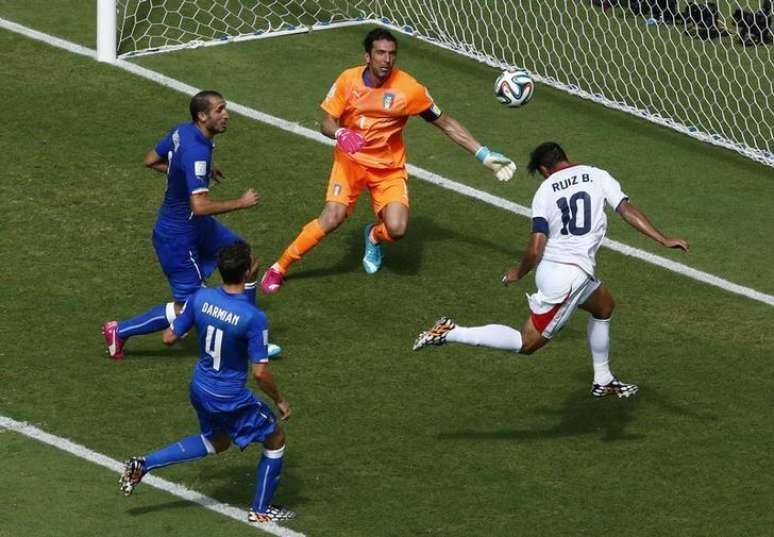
{"points": [[436, 335]]}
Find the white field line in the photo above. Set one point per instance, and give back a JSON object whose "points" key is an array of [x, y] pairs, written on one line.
{"points": [[420, 173], [162, 484]]}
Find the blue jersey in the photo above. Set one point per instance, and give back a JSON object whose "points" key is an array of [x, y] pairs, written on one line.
{"points": [[232, 332], [189, 154]]}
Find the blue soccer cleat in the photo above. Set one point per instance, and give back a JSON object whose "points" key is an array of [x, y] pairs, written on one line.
{"points": [[372, 259]]}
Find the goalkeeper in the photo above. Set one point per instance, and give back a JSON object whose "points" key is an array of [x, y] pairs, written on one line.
{"points": [[366, 110]]}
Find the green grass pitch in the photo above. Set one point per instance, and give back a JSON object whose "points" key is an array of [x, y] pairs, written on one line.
{"points": [[384, 442]]}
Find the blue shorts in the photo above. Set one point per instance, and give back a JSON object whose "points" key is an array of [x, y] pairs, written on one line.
{"points": [[244, 417], [187, 264]]}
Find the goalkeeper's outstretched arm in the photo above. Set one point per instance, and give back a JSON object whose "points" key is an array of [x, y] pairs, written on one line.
{"points": [[502, 166]]}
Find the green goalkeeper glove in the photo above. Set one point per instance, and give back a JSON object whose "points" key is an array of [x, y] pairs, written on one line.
{"points": [[502, 166]]}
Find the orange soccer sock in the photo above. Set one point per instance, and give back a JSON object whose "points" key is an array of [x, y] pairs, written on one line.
{"points": [[310, 235], [379, 233]]}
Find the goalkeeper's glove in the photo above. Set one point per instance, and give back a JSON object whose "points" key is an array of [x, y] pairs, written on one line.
{"points": [[502, 166], [349, 141]]}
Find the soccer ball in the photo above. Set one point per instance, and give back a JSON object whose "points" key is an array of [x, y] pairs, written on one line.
{"points": [[514, 88]]}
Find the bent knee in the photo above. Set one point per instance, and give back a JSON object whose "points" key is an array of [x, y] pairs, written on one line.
{"points": [[606, 311], [331, 219], [396, 230], [532, 342], [276, 439], [528, 349], [221, 443]]}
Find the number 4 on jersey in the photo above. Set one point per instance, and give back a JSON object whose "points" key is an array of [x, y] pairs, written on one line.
{"points": [[212, 345]]}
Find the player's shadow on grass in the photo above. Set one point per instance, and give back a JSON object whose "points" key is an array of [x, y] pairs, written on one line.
{"points": [[172, 504], [236, 486], [236, 483], [404, 257], [186, 348], [581, 414]]}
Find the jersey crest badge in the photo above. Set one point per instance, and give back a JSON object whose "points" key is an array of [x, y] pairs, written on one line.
{"points": [[200, 169], [389, 99]]}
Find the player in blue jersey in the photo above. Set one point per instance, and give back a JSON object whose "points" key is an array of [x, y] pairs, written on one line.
{"points": [[186, 237], [233, 335]]}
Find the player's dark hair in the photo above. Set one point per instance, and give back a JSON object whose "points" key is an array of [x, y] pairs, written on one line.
{"points": [[201, 102], [377, 34], [233, 261], [547, 154]]}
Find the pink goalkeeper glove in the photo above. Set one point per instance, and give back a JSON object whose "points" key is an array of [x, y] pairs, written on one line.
{"points": [[349, 141]]}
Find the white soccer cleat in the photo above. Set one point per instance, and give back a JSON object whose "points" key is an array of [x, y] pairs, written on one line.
{"points": [[134, 470], [272, 514], [436, 335], [614, 387]]}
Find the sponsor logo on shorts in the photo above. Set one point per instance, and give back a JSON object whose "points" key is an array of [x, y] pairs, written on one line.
{"points": [[336, 189]]}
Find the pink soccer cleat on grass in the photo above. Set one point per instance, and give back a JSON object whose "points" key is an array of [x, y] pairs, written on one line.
{"points": [[113, 342], [272, 281]]}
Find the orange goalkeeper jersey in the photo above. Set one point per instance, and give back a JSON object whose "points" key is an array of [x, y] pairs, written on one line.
{"points": [[378, 114]]}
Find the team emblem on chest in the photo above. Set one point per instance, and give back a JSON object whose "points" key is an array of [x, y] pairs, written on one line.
{"points": [[388, 100]]}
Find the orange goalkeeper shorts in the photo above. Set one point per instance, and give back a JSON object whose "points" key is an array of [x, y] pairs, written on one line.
{"points": [[348, 178]]}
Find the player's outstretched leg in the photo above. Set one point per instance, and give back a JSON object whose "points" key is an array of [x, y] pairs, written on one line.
{"points": [[372, 256], [311, 235], [134, 470], [436, 335], [154, 320], [614, 387]]}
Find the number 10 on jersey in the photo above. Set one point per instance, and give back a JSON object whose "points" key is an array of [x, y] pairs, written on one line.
{"points": [[571, 210]]}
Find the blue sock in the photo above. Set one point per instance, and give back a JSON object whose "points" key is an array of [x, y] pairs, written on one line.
{"points": [[250, 289], [187, 449], [153, 320], [268, 475]]}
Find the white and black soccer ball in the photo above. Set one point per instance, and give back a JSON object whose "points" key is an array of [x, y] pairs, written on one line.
{"points": [[514, 88]]}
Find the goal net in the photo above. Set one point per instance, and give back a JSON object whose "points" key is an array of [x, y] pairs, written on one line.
{"points": [[707, 73]]}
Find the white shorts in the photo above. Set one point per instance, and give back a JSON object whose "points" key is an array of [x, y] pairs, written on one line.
{"points": [[561, 289]]}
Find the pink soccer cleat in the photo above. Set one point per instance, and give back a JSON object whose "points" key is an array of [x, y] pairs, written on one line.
{"points": [[349, 141], [272, 281], [113, 342]]}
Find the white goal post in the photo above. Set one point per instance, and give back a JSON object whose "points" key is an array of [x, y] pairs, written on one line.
{"points": [[707, 73]]}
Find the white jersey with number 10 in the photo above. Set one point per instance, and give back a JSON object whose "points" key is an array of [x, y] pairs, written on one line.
{"points": [[569, 207]]}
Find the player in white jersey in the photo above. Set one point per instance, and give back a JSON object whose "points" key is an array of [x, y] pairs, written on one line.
{"points": [[568, 226]]}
